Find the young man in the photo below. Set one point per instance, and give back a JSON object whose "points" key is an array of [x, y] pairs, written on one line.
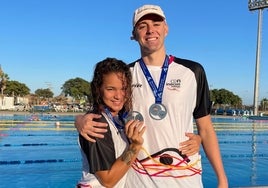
{"points": [[170, 93]]}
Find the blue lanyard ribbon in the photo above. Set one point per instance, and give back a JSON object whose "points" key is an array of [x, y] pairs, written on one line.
{"points": [[157, 91], [117, 122]]}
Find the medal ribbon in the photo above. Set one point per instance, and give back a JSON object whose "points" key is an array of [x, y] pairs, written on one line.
{"points": [[157, 91], [119, 125]]}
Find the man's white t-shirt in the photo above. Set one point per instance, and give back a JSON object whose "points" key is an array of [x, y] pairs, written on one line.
{"points": [[185, 97]]}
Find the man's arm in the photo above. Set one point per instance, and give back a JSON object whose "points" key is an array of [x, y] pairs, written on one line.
{"points": [[88, 128], [211, 148]]}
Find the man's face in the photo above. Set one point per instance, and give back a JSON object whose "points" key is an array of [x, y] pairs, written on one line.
{"points": [[150, 32]]}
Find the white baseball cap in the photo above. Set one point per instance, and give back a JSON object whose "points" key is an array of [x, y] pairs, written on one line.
{"points": [[147, 9]]}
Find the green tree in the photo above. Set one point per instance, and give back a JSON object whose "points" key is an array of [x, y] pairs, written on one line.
{"points": [[264, 104], [16, 88], [44, 93], [4, 77], [77, 88], [225, 97]]}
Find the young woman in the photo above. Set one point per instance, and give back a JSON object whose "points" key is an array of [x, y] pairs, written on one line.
{"points": [[106, 161]]}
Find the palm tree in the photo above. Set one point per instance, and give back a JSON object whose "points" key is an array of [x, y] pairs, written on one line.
{"points": [[4, 77]]}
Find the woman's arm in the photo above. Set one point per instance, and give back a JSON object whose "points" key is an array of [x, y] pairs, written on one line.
{"points": [[134, 131]]}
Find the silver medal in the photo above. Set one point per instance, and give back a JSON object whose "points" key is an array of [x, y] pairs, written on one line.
{"points": [[158, 111], [134, 115]]}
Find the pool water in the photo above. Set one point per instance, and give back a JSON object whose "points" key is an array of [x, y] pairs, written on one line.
{"points": [[244, 149], [34, 153], [37, 154]]}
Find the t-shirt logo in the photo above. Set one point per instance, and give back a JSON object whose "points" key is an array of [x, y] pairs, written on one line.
{"points": [[174, 84]]}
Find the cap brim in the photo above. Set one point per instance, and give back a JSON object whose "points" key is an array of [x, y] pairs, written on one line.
{"points": [[145, 13]]}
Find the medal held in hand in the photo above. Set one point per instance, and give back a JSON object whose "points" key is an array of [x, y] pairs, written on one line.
{"points": [[134, 115]]}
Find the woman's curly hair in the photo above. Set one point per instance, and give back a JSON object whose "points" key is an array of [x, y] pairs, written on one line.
{"points": [[107, 66]]}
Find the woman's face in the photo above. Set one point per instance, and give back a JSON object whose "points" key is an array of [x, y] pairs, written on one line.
{"points": [[113, 91]]}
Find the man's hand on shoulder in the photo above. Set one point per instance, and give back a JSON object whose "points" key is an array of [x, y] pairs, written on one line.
{"points": [[89, 128]]}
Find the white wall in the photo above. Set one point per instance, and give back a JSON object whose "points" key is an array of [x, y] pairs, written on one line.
{"points": [[7, 103]]}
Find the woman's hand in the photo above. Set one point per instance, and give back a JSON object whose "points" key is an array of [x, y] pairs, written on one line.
{"points": [[134, 130], [191, 146]]}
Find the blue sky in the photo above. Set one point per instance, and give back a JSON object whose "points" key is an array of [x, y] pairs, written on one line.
{"points": [[44, 43]]}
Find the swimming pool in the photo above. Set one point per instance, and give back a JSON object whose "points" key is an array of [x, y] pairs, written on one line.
{"points": [[244, 149], [34, 153]]}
